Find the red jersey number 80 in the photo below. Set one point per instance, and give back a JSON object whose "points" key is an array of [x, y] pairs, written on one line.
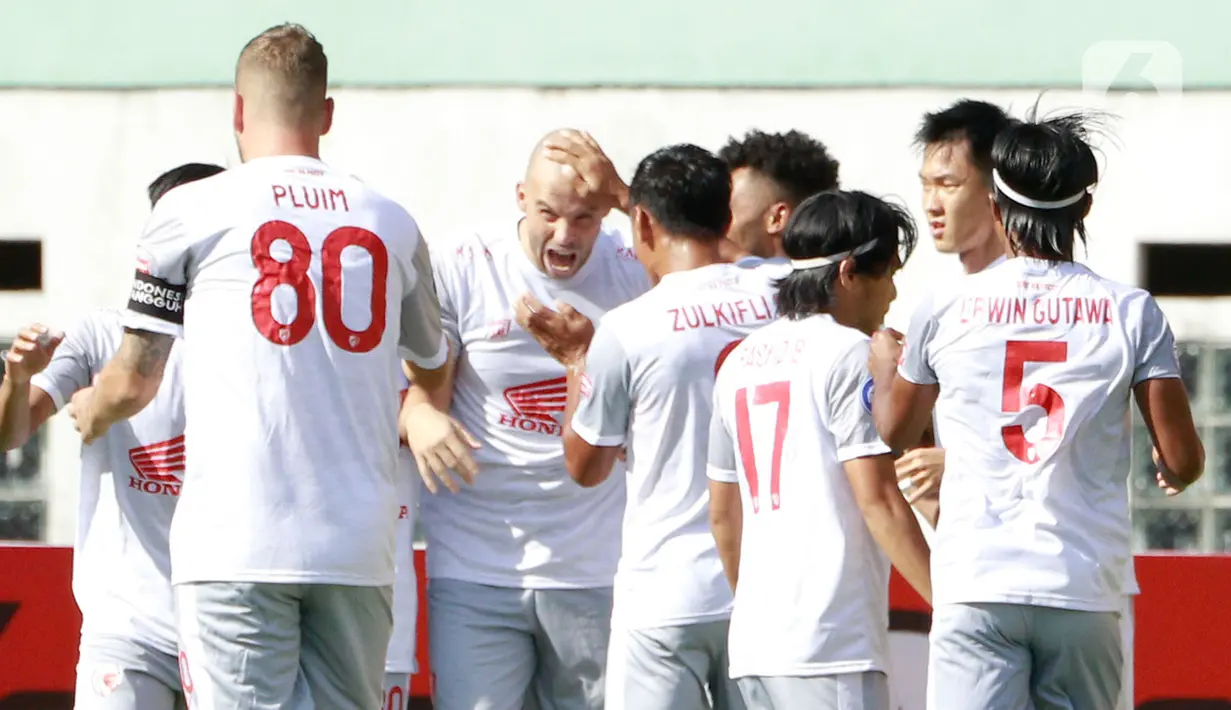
{"points": [[294, 273]]}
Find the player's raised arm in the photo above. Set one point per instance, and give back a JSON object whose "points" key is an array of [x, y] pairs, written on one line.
{"points": [[23, 407], [1163, 401], [869, 467], [154, 318], [430, 346], [596, 413], [905, 386]]}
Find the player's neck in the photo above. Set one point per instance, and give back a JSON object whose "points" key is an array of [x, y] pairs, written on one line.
{"points": [[981, 257], [845, 311], [282, 144], [684, 254]]}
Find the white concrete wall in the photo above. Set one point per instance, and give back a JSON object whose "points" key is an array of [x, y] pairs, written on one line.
{"points": [[74, 166]]}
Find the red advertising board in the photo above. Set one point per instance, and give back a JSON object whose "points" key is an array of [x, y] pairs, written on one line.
{"points": [[1183, 631]]}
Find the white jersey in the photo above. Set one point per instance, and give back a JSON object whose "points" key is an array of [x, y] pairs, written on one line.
{"points": [[793, 403], [130, 482], [649, 387], [524, 523], [1036, 362], [401, 655], [295, 287]]}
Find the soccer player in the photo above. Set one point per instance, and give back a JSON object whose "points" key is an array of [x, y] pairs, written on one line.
{"points": [[957, 190], [804, 502], [521, 562], [295, 287], [771, 173], [645, 384], [130, 481], [1031, 365]]}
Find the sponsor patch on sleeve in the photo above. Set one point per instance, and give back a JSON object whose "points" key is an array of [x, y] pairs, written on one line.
{"points": [[152, 296], [865, 396]]}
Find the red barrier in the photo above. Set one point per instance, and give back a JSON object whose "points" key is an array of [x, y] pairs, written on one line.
{"points": [[1183, 637]]}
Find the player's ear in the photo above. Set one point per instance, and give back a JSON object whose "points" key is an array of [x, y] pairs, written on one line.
{"points": [[776, 218], [521, 196], [327, 119], [643, 227], [237, 115], [846, 271]]}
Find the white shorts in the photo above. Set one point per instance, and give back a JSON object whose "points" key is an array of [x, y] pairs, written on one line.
{"points": [[124, 674], [264, 646]]}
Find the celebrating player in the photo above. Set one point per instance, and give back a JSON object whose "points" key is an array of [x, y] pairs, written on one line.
{"points": [[130, 481], [1031, 364], [286, 277], [646, 384], [804, 501], [771, 173], [521, 562]]}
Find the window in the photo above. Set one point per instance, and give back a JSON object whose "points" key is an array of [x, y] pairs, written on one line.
{"points": [[23, 509], [21, 265], [1199, 520]]}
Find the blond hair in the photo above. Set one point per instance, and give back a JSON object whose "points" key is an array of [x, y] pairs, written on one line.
{"points": [[286, 71]]}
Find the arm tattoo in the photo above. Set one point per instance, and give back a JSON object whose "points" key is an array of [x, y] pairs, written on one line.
{"points": [[143, 352]]}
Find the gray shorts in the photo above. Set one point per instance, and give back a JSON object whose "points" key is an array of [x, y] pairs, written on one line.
{"points": [[397, 691], [265, 646], [499, 648], [1018, 657], [671, 668], [847, 691], [122, 674]]}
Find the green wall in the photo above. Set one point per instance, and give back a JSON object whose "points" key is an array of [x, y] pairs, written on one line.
{"points": [[771, 43]]}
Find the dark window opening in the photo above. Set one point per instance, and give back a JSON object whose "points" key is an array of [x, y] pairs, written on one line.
{"points": [[1186, 269], [21, 265]]}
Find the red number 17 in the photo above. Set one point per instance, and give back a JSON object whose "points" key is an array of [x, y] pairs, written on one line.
{"points": [[773, 393]]}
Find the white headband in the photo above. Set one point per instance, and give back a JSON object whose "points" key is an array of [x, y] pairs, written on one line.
{"points": [[1021, 199], [819, 261]]}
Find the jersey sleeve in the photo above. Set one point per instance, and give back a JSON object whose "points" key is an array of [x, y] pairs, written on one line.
{"points": [[602, 414], [846, 399], [422, 341], [73, 365], [915, 366], [1155, 357], [164, 262], [721, 464]]}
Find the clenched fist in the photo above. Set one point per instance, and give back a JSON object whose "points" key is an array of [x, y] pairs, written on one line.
{"points": [[31, 352]]}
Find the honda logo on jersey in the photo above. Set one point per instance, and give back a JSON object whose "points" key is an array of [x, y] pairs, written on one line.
{"points": [[535, 404], [159, 467]]}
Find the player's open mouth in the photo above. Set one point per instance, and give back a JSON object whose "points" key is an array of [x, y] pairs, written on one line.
{"points": [[558, 261]]}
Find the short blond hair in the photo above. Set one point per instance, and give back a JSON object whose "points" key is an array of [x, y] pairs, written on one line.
{"points": [[292, 70]]}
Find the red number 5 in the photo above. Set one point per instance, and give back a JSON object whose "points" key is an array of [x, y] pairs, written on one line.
{"points": [[294, 273], [774, 392], [1016, 354]]}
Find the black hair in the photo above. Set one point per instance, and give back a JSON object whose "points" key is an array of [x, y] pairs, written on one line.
{"points": [[182, 175], [976, 122], [834, 222], [1046, 160], [798, 163], [685, 188]]}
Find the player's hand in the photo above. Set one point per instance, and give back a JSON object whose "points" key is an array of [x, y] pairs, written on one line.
{"points": [[31, 352], [920, 471], [441, 447], [1167, 480], [622, 454], [597, 179], [80, 409], [885, 352], [564, 333]]}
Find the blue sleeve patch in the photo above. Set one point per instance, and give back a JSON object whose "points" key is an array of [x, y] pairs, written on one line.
{"points": [[865, 395]]}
